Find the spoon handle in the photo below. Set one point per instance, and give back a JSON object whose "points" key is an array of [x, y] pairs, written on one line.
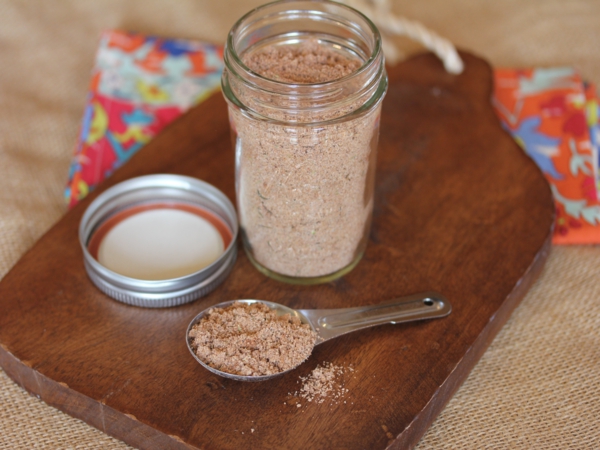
{"points": [[331, 323]]}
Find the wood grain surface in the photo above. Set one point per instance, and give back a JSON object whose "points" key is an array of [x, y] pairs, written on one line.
{"points": [[460, 209]]}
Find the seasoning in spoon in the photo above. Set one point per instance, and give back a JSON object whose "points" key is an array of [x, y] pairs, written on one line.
{"points": [[251, 340]]}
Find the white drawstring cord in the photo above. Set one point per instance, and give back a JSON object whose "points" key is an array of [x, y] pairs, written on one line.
{"points": [[379, 12]]}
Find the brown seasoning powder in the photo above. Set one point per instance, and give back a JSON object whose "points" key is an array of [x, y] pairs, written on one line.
{"points": [[324, 382], [306, 63], [305, 190], [251, 340]]}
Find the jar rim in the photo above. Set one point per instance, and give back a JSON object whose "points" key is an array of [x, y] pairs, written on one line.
{"points": [[230, 48]]}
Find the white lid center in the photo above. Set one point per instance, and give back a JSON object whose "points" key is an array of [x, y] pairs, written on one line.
{"points": [[160, 244]]}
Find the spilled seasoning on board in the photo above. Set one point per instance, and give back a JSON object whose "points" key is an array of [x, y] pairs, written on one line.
{"points": [[325, 382]]}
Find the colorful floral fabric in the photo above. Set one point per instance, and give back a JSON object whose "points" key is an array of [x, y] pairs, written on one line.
{"points": [[553, 115], [139, 84]]}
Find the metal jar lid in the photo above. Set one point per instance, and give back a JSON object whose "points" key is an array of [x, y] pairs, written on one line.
{"points": [[149, 189]]}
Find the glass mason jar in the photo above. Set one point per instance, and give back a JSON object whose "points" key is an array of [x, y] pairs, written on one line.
{"points": [[305, 152]]}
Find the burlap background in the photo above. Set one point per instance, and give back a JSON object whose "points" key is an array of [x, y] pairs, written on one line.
{"points": [[538, 385]]}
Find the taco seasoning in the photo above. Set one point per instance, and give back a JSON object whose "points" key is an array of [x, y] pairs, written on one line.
{"points": [[304, 83], [251, 340]]}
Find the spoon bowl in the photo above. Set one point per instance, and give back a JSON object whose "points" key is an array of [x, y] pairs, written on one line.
{"points": [[331, 323]]}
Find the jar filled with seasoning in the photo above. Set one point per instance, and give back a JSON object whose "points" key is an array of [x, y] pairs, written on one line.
{"points": [[304, 81]]}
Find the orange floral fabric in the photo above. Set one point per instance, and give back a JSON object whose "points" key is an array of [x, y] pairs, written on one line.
{"points": [[553, 115]]}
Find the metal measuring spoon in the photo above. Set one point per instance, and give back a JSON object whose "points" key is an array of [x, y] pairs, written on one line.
{"points": [[331, 323]]}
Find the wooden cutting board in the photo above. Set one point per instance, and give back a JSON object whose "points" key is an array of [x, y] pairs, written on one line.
{"points": [[460, 209]]}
